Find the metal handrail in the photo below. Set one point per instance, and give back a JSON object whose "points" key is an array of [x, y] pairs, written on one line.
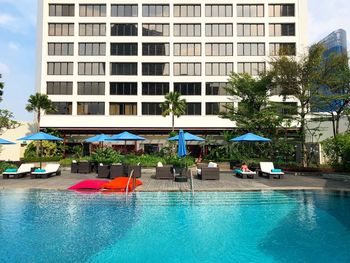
{"points": [[127, 185], [191, 179]]}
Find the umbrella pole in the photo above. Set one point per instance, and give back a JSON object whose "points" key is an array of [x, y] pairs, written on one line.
{"points": [[41, 152]]}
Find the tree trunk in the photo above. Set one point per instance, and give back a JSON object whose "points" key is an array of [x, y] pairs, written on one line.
{"points": [[173, 122], [38, 150], [337, 122], [39, 117], [334, 125], [302, 139]]}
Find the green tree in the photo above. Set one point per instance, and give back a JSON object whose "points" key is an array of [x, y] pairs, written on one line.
{"points": [[39, 103], [174, 106], [6, 116], [254, 112], [334, 80], [296, 77]]}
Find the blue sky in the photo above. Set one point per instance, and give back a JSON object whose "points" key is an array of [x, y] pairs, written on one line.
{"points": [[18, 40]]}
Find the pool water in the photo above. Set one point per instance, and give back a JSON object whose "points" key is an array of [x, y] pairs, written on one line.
{"points": [[277, 226]]}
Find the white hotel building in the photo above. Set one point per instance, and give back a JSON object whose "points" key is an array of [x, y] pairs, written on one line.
{"points": [[107, 64]]}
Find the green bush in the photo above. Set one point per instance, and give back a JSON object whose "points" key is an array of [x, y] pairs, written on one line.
{"points": [[181, 162], [49, 149], [106, 156], [337, 151], [4, 166], [41, 159]]}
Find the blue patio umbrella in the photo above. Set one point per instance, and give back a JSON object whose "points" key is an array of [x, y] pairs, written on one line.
{"points": [[40, 136], [98, 138], [250, 137], [181, 148], [3, 141], [188, 137], [126, 136]]}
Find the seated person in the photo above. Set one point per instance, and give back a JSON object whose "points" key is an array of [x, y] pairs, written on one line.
{"points": [[245, 168]]}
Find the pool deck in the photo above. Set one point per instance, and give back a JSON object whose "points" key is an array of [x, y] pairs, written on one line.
{"points": [[227, 183]]}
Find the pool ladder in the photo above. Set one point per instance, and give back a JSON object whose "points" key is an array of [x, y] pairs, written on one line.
{"points": [[133, 183], [191, 183]]}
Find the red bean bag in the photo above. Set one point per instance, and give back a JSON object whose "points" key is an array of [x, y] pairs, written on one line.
{"points": [[120, 183]]}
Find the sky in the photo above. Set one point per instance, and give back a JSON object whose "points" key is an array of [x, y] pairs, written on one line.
{"points": [[18, 44]]}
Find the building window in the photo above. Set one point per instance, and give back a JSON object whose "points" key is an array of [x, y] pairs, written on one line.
{"points": [[151, 108], [61, 29], [61, 10], [187, 10], [155, 88], [155, 49], [91, 108], [219, 30], [277, 30], [216, 88], [215, 108], [91, 88], [92, 10], [126, 108], [91, 68], [187, 30], [123, 68], [92, 29], [193, 108], [124, 49], [61, 49], [251, 49], [154, 30], [61, 108], [219, 49], [277, 10], [123, 29], [188, 88], [123, 88], [187, 69], [250, 10], [59, 68], [124, 10], [155, 10], [282, 49], [218, 10], [286, 108], [59, 88], [92, 49], [252, 68], [155, 69], [218, 69], [250, 30], [187, 49]]}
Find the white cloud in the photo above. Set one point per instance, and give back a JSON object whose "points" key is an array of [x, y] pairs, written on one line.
{"points": [[13, 46], [4, 70]]}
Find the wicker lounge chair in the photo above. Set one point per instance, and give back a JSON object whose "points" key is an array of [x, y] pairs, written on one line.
{"points": [[136, 168], [267, 169], [50, 170], [84, 167], [211, 172], [116, 170], [165, 172], [22, 171], [74, 167], [103, 171]]}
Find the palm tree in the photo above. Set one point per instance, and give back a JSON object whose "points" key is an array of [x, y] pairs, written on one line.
{"points": [[173, 106], [39, 103]]}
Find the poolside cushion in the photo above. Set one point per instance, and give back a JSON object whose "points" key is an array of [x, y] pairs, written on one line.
{"points": [[11, 170], [120, 183], [40, 171], [88, 185], [276, 170], [237, 171]]}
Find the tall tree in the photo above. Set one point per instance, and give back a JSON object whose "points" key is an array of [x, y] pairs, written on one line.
{"points": [[174, 106], [296, 77], [6, 116], [39, 103], [333, 84], [254, 112]]}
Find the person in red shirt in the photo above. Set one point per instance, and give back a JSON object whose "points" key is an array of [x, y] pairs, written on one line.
{"points": [[245, 168]]}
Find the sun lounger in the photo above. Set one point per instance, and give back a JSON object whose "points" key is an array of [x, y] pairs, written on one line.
{"points": [[245, 175], [267, 169], [50, 170], [22, 171]]}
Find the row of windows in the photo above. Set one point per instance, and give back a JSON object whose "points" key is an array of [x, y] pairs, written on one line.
{"points": [[130, 108], [180, 30], [156, 69], [130, 88], [163, 49], [180, 10]]}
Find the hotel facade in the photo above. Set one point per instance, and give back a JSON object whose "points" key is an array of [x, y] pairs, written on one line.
{"points": [[107, 65]]}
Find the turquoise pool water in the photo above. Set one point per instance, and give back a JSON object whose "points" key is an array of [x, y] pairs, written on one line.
{"points": [[286, 226]]}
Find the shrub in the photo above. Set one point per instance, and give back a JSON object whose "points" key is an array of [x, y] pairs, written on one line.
{"points": [[36, 159], [106, 156], [337, 151]]}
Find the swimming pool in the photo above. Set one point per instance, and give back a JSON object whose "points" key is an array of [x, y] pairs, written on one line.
{"points": [[277, 226]]}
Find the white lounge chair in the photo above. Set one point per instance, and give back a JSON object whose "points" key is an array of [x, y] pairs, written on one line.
{"points": [[50, 170], [22, 171], [245, 175], [267, 169]]}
